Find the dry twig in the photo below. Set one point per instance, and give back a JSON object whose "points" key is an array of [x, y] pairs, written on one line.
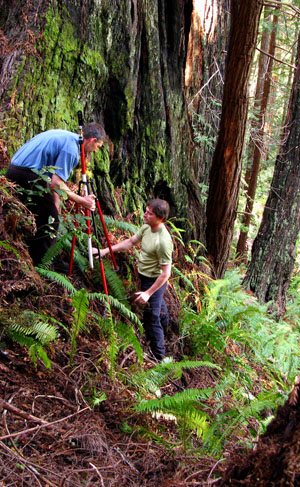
{"points": [[30, 430]]}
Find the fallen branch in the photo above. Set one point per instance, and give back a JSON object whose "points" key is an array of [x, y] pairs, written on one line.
{"points": [[44, 425], [276, 59], [19, 412]]}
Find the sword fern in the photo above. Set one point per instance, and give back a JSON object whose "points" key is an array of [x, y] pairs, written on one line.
{"points": [[184, 407], [33, 330]]}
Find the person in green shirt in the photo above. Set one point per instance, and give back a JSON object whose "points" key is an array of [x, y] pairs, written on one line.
{"points": [[154, 267]]}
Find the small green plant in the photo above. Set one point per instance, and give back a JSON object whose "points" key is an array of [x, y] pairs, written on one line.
{"points": [[80, 303], [120, 335], [33, 330], [184, 407], [150, 381], [96, 398]]}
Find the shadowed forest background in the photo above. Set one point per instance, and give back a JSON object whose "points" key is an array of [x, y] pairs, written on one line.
{"points": [[200, 100]]}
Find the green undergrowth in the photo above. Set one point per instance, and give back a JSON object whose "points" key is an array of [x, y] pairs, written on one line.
{"points": [[252, 358], [240, 361]]}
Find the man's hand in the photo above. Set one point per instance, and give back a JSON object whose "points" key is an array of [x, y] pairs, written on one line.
{"points": [[89, 202], [142, 297]]}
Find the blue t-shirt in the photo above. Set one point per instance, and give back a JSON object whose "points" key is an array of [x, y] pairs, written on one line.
{"points": [[58, 148]]}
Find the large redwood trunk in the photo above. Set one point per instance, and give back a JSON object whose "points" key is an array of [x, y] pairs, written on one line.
{"points": [[123, 63]]}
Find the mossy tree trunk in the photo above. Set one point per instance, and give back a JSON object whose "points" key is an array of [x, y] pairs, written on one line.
{"points": [[123, 63], [226, 165], [273, 251]]}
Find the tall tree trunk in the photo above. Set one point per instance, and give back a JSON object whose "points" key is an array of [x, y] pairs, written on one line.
{"points": [[273, 252], [204, 82], [256, 144], [226, 166]]}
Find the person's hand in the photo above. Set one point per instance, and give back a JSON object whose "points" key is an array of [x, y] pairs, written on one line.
{"points": [[142, 297], [89, 202], [103, 252]]}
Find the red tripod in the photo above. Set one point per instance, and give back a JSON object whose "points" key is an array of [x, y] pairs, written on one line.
{"points": [[87, 188]]}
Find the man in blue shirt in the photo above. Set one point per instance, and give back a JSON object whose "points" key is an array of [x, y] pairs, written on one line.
{"points": [[60, 151]]}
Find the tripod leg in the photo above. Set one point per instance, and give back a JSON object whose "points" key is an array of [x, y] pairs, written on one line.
{"points": [[102, 271], [105, 229]]}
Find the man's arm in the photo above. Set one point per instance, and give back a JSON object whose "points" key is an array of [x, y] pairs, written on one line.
{"points": [[120, 247], [144, 296], [85, 201]]}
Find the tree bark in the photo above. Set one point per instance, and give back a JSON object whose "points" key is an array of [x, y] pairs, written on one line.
{"points": [[256, 144], [204, 82], [226, 166], [273, 252]]}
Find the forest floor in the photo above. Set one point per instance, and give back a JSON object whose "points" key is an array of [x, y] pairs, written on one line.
{"points": [[55, 430], [64, 441]]}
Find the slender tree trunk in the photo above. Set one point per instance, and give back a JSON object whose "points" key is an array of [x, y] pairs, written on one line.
{"points": [[256, 145], [273, 252], [226, 166], [204, 82]]}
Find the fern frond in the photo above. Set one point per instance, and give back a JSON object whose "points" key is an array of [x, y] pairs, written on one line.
{"points": [[174, 404], [176, 231], [128, 337], [36, 325], [56, 277], [43, 332], [114, 303], [20, 338], [114, 282], [80, 303], [184, 278], [264, 401], [54, 251], [184, 406], [121, 225], [112, 350], [34, 332], [37, 351], [154, 378], [225, 423]]}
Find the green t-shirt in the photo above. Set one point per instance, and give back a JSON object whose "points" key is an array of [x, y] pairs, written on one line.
{"points": [[157, 248]]}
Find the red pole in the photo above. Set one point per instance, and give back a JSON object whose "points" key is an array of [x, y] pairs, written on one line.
{"points": [[87, 213], [107, 236]]}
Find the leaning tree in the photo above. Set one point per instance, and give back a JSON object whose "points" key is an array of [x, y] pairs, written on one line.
{"points": [[273, 251]]}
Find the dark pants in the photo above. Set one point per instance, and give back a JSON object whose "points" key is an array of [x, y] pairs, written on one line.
{"points": [[155, 317], [40, 202]]}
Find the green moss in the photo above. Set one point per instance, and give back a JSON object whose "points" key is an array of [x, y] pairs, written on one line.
{"points": [[50, 93], [102, 160]]}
